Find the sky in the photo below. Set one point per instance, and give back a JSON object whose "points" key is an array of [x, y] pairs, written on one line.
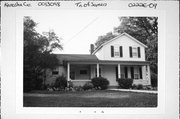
{"points": [[78, 29]]}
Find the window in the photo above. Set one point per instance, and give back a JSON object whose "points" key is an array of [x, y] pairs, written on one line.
{"points": [[136, 73], [116, 51], [136, 76], [134, 52], [83, 72], [116, 54]]}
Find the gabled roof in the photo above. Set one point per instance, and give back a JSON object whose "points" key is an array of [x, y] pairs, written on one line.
{"points": [[117, 38], [76, 57]]}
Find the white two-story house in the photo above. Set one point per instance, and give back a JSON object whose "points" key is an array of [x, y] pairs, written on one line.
{"points": [[120, 57]]}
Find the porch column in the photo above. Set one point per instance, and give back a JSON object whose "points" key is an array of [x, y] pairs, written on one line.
{"points": [[143, 72], [68, 71], [119, 71], [148, 74], [97, 71]]}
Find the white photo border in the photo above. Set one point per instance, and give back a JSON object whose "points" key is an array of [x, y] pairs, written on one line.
{"points": [[12, 59]]}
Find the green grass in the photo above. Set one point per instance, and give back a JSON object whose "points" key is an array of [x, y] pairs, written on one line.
{"points": [[104, 98]]}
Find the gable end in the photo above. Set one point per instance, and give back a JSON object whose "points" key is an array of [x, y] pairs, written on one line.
{"points": [[96, 50]]}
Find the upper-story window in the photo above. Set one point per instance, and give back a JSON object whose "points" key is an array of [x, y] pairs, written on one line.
{"points": [[116, 51], [134, 52]]}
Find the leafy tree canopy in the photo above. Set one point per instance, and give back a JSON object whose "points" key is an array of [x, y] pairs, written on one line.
{"points": [[104, 38], [38, 55]]}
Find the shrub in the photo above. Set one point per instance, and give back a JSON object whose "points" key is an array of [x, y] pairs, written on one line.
{"points": [[88, 86], [147, 87], [125, 83], [39, 84], [134, 86], [78, 88], [139, 86], [154, 81], [100, 83], [60, 82], [70, 84]]}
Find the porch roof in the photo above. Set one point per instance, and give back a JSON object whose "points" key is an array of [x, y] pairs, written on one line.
{"points": [[92, 59], [108, 62], [124, 62], [76, 58]]}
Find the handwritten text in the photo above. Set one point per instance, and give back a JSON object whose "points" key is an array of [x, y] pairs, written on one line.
{"points": [[17, 4], [49, 4], [144, 5], [90, 4]]}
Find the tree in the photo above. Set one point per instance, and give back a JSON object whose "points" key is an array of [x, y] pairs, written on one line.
{"points": [[38, 55], [104, 38], [144, 29]]}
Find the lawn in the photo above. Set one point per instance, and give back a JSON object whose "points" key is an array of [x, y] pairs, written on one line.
{"points": [[105, 98]]}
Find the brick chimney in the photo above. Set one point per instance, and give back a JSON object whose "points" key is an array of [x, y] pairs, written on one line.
{"points": [[91, 48]]}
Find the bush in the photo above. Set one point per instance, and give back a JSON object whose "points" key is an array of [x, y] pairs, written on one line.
{"points": [[154, 82], [147, 87], [125, 83], [70, 84], [60, 82], [100, 83], [134, 86], [78, 88], [88, 86], [139, 86], [39, 84]]}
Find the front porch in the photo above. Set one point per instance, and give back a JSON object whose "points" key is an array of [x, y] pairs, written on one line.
{"points": [[82, 72]]}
